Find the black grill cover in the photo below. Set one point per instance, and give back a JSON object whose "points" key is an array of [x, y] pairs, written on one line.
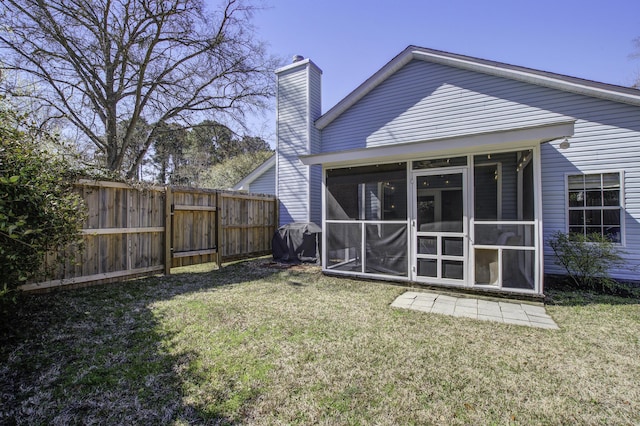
{"points": [[297, 242]]}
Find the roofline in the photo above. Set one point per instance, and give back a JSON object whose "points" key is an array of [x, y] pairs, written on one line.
{"points": [[372, 82], [256, 173], [528, 75]]}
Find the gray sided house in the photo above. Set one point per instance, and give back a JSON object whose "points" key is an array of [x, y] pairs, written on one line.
{"points": [[452, 170]]}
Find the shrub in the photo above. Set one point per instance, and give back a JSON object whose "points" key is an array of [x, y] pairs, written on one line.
{"points": [[39, 212], [587, 259]]}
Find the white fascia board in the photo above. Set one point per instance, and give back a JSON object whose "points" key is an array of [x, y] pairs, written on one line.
{"points": [[256, 173], [451, 145]]}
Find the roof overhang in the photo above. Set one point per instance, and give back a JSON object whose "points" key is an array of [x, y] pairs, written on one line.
{"points": [[512, 139], [528, 75]]}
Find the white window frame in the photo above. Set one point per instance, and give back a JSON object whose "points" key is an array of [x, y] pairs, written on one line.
{"points": [[621, 207]]}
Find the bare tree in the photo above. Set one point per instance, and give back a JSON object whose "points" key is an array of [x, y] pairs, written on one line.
{"points": [[101, 63]]}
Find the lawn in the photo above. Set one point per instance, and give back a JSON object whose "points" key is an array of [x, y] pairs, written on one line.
{"points": [[255, 344]]}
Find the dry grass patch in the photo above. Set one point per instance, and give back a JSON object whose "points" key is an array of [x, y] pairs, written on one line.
{"points": [[253, 344]]}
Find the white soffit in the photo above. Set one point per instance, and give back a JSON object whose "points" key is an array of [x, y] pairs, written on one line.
{"points": [[458, 144]]}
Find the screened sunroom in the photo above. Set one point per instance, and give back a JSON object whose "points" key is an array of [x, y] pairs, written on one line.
{"points": [[460, 220]]}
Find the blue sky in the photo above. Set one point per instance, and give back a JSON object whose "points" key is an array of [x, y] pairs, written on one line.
{"points": [[350, 40]]}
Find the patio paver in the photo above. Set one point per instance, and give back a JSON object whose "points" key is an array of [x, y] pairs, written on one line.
{"points": [[516, 313]]}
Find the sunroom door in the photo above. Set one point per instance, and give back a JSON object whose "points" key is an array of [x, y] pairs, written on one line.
{"points": [[439, 227]]}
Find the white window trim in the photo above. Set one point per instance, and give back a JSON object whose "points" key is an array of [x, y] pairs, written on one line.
{"points": [[623, 233]]}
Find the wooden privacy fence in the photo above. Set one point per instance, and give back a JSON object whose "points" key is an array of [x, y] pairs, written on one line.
{"points": [[132, 232]]}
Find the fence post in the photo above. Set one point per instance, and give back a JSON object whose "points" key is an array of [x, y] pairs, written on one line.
{"points": [[219, 230], [168, 230]]}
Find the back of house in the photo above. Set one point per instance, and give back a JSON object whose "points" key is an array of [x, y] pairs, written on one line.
{"points": [[451, 170]]}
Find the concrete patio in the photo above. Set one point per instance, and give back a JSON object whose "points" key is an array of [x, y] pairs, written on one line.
{"points": [[508, 312]]}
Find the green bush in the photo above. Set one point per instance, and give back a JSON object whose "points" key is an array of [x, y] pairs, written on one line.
{"points": [[587, 259], [39, 212]]}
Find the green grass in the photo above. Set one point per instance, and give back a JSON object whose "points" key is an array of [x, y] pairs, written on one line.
{"points": [[257, 345]]}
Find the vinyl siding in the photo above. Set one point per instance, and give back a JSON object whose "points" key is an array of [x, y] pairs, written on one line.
{"points": [[316, 195], [298, 105], [425, 101], [264, 184], [315, 182], [606, 139], [315, 109], [292, 134]]}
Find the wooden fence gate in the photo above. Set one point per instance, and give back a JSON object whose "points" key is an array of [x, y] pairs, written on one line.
{"points": [[132, 232]]}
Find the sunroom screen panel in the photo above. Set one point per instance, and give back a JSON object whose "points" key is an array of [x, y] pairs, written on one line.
{"points": [[367, 193], [386, 249], [344, 246]]}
